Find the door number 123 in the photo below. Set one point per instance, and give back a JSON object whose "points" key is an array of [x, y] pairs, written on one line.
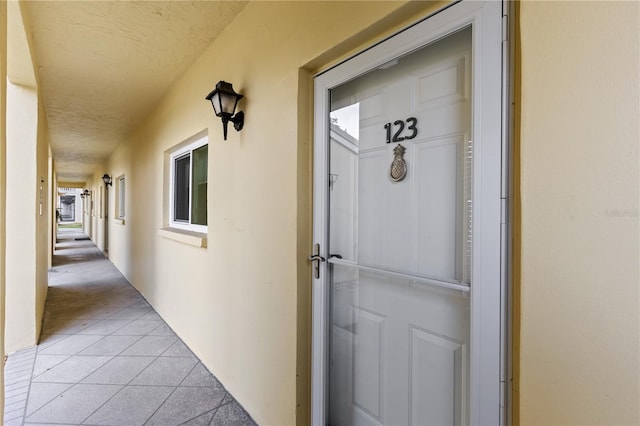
{"points": [[399, 126]]}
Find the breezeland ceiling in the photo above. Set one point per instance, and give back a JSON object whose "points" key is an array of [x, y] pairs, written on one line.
{"points": [[102, 66]]}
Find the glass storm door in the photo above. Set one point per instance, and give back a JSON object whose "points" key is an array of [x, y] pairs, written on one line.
{"points": [[400, 185]]}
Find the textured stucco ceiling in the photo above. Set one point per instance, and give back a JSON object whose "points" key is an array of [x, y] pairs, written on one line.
{"points": [[103, 65]]}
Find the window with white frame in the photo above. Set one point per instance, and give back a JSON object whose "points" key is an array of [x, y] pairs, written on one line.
{"points": [[188, 186], [120, 197]]}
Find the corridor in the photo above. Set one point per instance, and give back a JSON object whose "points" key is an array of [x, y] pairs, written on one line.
{"points": [[105, 357]]}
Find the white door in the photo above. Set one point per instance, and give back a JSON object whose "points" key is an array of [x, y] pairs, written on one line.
{"points": [[408, 195]]}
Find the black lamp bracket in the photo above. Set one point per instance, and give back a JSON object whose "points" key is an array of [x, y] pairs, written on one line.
{"points": [[238, 121]]}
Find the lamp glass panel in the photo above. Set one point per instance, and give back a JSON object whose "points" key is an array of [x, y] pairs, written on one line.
{"points": [[215, 101], [181, 188], [199, 187], [228, 103]]}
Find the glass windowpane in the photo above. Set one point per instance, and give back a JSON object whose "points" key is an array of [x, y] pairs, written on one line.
{"points": [[181, 188], [199, 188]]}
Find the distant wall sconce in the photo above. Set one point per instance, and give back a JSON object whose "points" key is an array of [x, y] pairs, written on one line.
{"points": [[84, 193], [224, 100], [107, 180]]}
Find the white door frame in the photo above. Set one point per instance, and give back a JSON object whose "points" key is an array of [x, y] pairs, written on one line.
{"points": [[488, 301]]}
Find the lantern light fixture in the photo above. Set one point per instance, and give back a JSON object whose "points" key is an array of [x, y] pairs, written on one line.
{"points": [[84, 193], [107, 180], [224, 101]]}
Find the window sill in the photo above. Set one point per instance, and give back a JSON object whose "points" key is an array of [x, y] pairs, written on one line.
{"points": [[118, 221], [187, 237]]}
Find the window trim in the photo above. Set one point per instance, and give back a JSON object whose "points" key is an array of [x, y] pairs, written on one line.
{"points": [[100, 202], [173, 155], [120, 211]]}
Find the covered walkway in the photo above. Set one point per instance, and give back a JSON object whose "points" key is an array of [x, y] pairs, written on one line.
{"points": [[107, 358]]}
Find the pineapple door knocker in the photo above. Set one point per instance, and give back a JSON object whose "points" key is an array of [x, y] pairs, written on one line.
{"points": [[398, 170]]}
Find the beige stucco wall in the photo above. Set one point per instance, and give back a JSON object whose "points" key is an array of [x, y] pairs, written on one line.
{"points": [[239, 302], [579, 337], [120, 239], [22, 122], [22, 125], [27, 171]]}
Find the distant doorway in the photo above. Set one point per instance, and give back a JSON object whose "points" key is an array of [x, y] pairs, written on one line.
{"points": [[68, 208]]}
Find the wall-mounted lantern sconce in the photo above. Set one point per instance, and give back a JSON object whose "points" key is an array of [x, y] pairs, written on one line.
{"points": [[224, 100], [107, 180], [84, 193]]}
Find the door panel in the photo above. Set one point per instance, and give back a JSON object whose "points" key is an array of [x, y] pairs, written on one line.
{"points": [[425, 212], [399, 347], [437, 363], [399, 351]]}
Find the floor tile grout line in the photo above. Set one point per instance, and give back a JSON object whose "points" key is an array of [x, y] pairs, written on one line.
{"points": [[174, 388], [20, 364], [26, 402], [160, 406], [102, 405], [19, 358], [201, 414], [132, 385], [48, 401], [219, 407], [104, 337], [84, 377], [119, 353], [127, 355], [190, 371], [20, 394], [14, 389], [52, 367], [155, 358], [18, 382]]}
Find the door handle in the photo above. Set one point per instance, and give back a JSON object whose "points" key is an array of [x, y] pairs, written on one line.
{"points": [[315, 260]]}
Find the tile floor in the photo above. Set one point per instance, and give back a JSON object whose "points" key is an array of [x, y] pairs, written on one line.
{"points": [[107, 358]]}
